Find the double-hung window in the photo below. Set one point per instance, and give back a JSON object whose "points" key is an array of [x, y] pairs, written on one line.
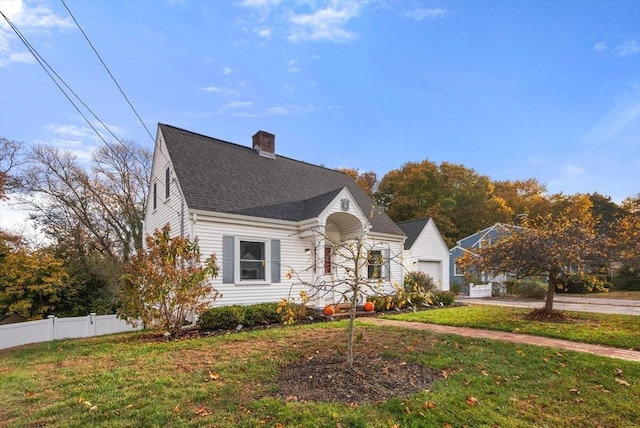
{"points": [[375, 264], [252, 260]]}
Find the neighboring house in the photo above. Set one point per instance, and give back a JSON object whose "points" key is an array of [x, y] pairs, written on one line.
{"points": [[478, 240], [425, 250], [264, 215]]}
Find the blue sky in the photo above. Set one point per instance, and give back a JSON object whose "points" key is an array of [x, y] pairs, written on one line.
{"points": [[512, 89]]}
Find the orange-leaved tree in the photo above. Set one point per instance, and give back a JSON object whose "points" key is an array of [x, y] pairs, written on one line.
{"points": [[553, 246], [166, 284], [33, 284]]}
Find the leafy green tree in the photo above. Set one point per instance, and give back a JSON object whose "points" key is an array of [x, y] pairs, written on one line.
{"points": [[166, 284], [460, 200]]}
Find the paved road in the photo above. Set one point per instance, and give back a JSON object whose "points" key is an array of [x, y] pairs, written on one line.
{"points": [[567, 303]]}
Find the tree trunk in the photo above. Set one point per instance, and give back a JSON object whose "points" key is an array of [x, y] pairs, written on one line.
{"points": [[551, 288], [350, 328]]}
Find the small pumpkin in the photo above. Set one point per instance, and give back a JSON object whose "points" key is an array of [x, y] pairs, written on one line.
{"points": [[369, 307], [328, 310]]}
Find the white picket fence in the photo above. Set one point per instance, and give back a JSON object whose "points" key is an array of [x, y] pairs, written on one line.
{"points": [[480, 290], [54, 328]]}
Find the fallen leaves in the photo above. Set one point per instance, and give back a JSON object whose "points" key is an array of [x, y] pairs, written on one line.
{"points": [[87, 404], [622, 382], [472, 401]]}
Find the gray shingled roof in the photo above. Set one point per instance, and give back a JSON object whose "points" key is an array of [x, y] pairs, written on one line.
{"points": [[412, 228], [219, 176]]}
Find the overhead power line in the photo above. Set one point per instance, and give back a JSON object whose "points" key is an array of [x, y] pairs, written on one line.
{"points": [[108, 71]]}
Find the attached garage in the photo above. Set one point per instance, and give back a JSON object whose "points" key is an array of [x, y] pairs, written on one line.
{"points": [[431, 268], [426, 251]]}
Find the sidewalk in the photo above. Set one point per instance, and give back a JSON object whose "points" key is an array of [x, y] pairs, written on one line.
{"points": [[607, 306], [604, 351]]}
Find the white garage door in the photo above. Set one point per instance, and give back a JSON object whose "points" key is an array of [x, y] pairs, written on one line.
{"points": [[432, 269]]}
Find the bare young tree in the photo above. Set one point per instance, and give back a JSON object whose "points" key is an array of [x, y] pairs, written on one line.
{"points": [[356, 265]]}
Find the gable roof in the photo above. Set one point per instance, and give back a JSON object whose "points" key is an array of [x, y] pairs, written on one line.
{"points": [[224, 177], [473, 239], [412, 228]]}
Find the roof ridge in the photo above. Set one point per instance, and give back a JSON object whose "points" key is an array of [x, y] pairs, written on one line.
{"points": [[250, 148]]}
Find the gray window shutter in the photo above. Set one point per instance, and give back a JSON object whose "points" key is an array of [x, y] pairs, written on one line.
{"points": [[228, 256], [275, 260], [387, 264]]}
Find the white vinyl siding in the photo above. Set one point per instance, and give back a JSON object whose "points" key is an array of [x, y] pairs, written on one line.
{"points": [[428, 251]]}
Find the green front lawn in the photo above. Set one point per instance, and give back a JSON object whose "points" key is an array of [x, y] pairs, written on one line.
{"points": [[229, 381], [622, 331]]}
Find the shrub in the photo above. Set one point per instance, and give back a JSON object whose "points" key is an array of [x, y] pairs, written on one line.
{"points": [[415, 291], [382, 303], [583, 284], [444, 298], [222, 318], [455, 288], [418, 282], [627, 279], [529, 288]]}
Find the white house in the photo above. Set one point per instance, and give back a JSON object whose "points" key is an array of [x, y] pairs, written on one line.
{"points": [[425, 250], [264, 215]]}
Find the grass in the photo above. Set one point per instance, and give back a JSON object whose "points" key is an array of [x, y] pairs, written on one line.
{"points": [[619, 331], [228, 381]]}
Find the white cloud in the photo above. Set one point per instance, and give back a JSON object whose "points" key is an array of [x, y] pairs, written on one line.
{"points": [[279, 111], [238, 104], [27, 19], [215, 89], [621, 121], [326, 24], [293, 66], [229, 70], [259, 3], [600, 46], [70, 131], [630, 47], [264, 32], [426, 13]]}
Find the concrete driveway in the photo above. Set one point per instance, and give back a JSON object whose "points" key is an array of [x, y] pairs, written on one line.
{"points": [[566, 303]]}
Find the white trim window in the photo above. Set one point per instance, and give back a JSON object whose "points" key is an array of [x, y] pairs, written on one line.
{"points": [[379, 264], [457, 270], [252, 260]]}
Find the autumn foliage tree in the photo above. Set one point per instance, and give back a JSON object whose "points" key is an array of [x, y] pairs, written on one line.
{"points": [[552, 246], [33, 284], [166, 284], [368, 180]]}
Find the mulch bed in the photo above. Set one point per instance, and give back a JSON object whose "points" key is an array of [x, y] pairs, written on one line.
{"points": [[372, 379]]}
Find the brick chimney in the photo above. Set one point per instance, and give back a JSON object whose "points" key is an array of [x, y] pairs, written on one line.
{"points": [[265, 144]]}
